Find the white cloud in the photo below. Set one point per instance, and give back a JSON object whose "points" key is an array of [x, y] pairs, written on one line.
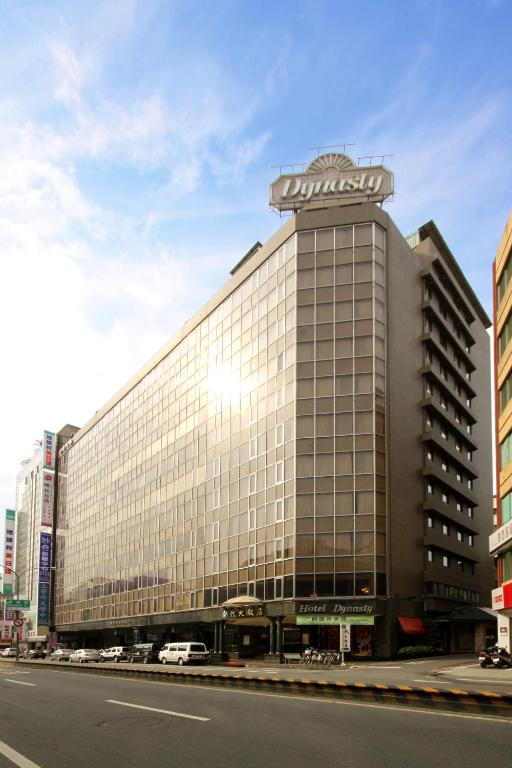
{"points": [[88, 294]]}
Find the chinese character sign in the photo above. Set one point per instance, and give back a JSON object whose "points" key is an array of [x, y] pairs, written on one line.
{"points": [[47, 498], [43, 604], [10, 530], [49, 442], [45, 557]]}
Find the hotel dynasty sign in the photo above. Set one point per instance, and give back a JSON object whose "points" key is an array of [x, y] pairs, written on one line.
{"points": [[332, 179]]}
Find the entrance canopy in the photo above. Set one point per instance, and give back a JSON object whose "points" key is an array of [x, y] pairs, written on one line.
{"points": [[411, 626]]}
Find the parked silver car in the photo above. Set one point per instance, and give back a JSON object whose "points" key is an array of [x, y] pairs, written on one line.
{"points": [[85, 654], [61, 654]]}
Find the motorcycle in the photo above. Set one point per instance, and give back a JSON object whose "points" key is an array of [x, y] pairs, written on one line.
{"points": [[485, 656], [501, 658]]}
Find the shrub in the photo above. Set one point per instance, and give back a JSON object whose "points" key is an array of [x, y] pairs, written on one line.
{"points": [[417, 650]]}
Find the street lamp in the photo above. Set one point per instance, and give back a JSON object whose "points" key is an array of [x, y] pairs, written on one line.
{"points": [[17, 594]]}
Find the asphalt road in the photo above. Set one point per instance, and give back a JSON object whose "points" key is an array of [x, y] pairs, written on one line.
{"points": [[71, 719], [445, 673]]}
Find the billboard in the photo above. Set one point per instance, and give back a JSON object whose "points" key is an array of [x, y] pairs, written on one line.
{"points": [[10, 532], [45, 558], [49, 445], [43, 604], [47, 496]]}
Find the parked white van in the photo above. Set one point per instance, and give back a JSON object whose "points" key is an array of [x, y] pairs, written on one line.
{"points": [[184, 653]]}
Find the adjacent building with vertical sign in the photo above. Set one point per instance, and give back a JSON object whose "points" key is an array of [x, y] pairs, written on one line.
{"points": [[500, 541]]}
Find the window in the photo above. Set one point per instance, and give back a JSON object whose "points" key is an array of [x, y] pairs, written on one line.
{"points": [[251, 588], [444, 465], [280, 397], [215, 564], [430, 556], [252, 483], [278, 587], [252, 554], [430, 489], [444, 404], [215, 596], [280, 361], [471, 540], [280, 434], [460, 536], [279, 510], [470, 484], [430, 455], [253, 448], [279, 472], [216, 498], [216, 466], [215, 531], [443, 372], [470, 512], [251, 519], [445, 530], [459, 507], [279, 549], [459, 477], [429, 420], [430, 522], [444, 433], [445, 498], [428, 387], [253, 414], [458, 446], [445, 561]]}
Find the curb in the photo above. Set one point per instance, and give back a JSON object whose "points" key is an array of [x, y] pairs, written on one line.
{"points": [[454, 700]]}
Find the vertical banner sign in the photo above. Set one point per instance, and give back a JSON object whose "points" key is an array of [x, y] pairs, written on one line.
{"points": [[48, 479], [10, 529], [49, 442], [45, 558]]}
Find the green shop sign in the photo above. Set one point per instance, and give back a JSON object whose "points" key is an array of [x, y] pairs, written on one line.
{"points": [[337, 619]]}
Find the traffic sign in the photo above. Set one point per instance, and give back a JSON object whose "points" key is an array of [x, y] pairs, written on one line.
{"points": [[17, 604], [18, 622]]}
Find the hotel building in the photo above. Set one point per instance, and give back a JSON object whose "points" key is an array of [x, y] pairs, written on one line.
{"points": [[500, 542], [313, 444]]}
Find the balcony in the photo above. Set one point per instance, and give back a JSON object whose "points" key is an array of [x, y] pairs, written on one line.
{"points": [[454, 457], [458, 346], [467, 316], [450, 513], [444, 387], [447, 479], [449, 545], [454, 426], [442, 354]]}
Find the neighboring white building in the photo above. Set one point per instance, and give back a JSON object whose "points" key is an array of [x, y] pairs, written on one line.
{"points": [[33, 553]]}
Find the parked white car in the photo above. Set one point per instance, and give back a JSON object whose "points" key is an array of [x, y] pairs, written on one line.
{"points": [[184, 653], [85, 654], [117, 653], [9, 652]]}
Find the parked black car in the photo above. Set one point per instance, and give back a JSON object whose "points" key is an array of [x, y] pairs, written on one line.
{"points": [[34, 653], [143, 653]]}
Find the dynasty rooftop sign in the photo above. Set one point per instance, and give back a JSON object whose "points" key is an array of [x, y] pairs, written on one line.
{"points": [[332, 179]]}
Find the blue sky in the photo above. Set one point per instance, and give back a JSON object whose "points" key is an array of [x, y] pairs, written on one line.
{"points": [[137, 141]]}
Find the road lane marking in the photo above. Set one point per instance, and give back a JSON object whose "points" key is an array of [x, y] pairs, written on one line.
{"points": [[19, 682], [15, 757], [162, 711]]}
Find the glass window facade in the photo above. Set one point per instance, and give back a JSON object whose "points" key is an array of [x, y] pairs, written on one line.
{"points": [[251, 458]]}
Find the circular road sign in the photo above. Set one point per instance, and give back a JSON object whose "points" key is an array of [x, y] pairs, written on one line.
{"points": [[18, 622]]}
